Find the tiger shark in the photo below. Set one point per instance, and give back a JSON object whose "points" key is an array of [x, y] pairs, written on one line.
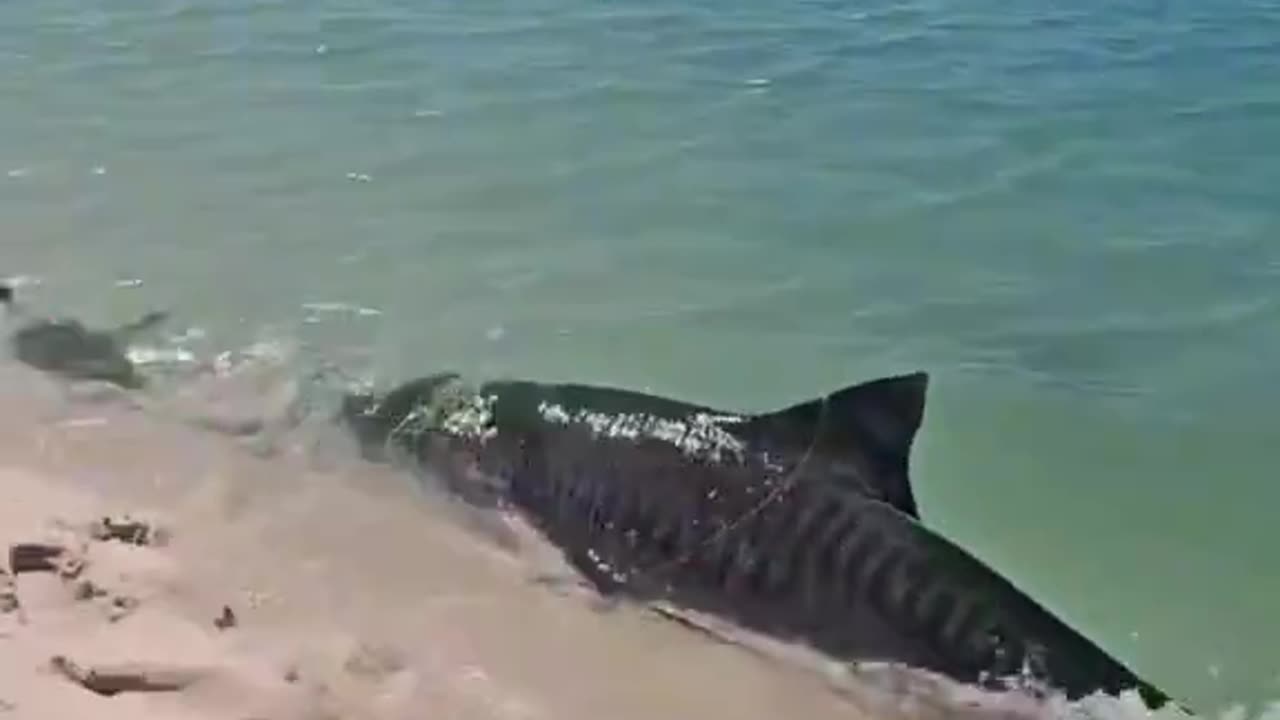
{"points": [[800, 523]]}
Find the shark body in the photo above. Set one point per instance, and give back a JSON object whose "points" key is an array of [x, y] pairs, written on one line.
{"points": [[799, 523]]}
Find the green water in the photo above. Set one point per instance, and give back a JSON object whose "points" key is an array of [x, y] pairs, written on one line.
{"points": [[1067, 214]]}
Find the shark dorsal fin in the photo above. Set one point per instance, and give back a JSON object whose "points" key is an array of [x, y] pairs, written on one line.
{"points": [[859, 435]]}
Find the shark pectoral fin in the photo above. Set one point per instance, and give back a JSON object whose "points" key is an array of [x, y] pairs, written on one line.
{"points": [[869, 427]]}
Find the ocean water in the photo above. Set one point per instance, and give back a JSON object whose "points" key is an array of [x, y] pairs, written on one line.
{"points": [[1066, 212]]}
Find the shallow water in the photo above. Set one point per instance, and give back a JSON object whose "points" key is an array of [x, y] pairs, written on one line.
{"points": [[1063, 213]]}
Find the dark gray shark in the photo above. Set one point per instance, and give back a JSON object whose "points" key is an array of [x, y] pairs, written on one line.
{"points": [[798, 523], [65, 347]]}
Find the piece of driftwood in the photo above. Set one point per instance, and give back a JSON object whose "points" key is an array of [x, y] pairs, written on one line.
{"points": [[34, 557], [126, 677]]}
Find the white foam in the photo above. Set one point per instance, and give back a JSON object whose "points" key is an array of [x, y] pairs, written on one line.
{"points": [[143, 355], [21, 281], [330, 306]]}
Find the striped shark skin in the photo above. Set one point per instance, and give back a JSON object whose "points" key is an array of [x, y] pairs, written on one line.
{"points": [[800, 524]]}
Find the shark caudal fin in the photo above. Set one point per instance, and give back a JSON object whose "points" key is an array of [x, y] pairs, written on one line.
{"points": [[859, 436]]}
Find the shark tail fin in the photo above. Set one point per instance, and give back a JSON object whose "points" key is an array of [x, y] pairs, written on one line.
{"points": [[866, 429]]}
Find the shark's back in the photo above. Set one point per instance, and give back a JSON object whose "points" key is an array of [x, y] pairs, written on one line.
{"points": [[859, 436]]}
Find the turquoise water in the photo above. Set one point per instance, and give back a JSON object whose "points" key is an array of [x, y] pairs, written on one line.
{"points": [[1067, 214]]}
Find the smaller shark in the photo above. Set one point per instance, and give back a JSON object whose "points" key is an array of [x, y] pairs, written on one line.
{"points": [[799, 523], [65, 347]]}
